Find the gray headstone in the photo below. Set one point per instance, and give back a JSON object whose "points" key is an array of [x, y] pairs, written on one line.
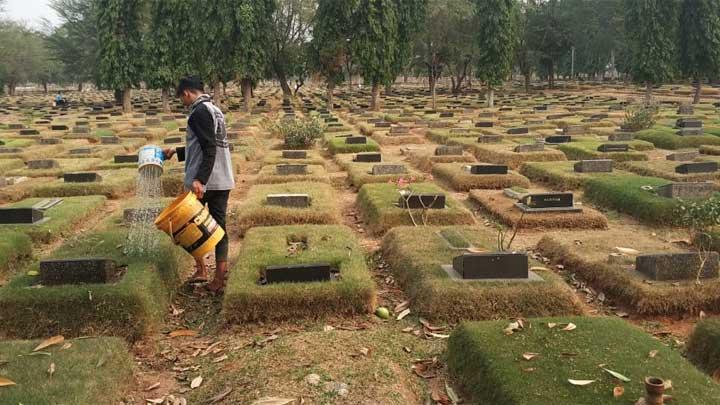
{"points": [[384, 169], [530, 147], [291, 169], [677, 266], [289, 200], [594, 166], [449, 150], [685, 156], [686, 190]]}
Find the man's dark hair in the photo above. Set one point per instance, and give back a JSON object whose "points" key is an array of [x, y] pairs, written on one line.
{"points": [[189, 83]]}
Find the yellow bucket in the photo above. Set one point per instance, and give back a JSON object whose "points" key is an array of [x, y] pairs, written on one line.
{"points": [[190, 225]]}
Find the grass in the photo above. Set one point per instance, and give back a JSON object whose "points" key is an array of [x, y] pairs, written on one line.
{"points": [[424, 157], [587, 149], [359, 173], [91, 371], [7, 165], [416, 254], [315, 173], [623, 286], [703, 348], [67, 165], [115, 184], [247, 301], [560, 175], [275, 157], [624, 194], [129, 308], [15, 249], [377, 204], [503, 154], [62, 217], [489, 364], [461, 180], [385, 138], [666, 169], [255, 212], [337, 145], [666, 138]]}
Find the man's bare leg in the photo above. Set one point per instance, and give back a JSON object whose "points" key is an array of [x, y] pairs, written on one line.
{"points": [[200, 275], [218, 283]]}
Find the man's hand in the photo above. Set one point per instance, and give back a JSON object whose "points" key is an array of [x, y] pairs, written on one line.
{"points": [[169, 153], [197, 188]]}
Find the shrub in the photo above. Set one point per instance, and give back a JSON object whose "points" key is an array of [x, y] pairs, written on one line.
{"points": [[704, 345], [641, 116], [298, 133]]}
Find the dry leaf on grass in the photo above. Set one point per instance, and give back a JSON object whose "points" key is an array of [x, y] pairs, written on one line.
{"points": [[183, 333], [220, 396], [437, 335], [430, 327], [155, 400], [426, 368], [617, 375], [6, 382], [627, 251], [570, 326], [66, 346], [263, 342], [403, 314], [618, 391], [529, 356], [652, 353], [152, 387], [401, 306], [196, 382], [581, 382], [514, 326], [273, 401], [55, 340], [451, 393], [51, 369]]}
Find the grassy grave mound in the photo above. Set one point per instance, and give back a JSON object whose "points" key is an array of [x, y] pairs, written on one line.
{"points": [[62, 218], [386, 138], [7, 165], [618, 282], [275, 157], [461, 180], [666, 169], [442, 136], [710, 150], [360, 173], [128, 308], [587, 149], [379, 206], [337, 145], [503, 208], [503, 153], [89, 371], [315, 173], [423, 157], [353, 292], [114, 184], [416, 255], [15, 249], [560, 176], [626, 194], [489, 365], [703, 348], [256, 212], [666, 138]]}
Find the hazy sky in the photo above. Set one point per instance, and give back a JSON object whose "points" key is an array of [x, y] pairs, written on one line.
{"points": [[30, 11]]}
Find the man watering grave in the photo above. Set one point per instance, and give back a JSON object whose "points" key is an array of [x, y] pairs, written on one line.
{"points": [[208, 169]]}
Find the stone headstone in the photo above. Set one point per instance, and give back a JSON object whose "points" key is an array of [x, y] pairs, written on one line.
{"points": [[10, 150], [690, 132], [59, 127], [81, 151], [82, 177], [399, 130], [518, 131], [529, 147], [558, 139], [50, 141], [686, 190], [20, 215], [688, 123], [355, 140], [449, 150], [79, 271], [698, 167], [294, 154], [291, 169], [420, 201], [484, 124], [490, 139], [685, 156], [486, 169], [298, 273], [383, 124], [152, 122], [613, 147], [109, 140], [125, 159], [499, 265], [677, 266], [29, 131], [43, 164], [368, 157], [82, 129], [574, 130], [289, 200], [548, 200], [386, 169], [174, 139]]}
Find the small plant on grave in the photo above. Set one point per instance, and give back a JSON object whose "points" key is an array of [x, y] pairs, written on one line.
{"points": [[701, 217], [641, 116], [406, 192], [502, 234], [298, 133]]}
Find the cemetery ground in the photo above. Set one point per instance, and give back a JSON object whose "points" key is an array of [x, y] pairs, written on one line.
{"points": [[593, 283]]}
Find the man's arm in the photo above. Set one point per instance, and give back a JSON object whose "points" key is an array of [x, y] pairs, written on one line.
{"points": [[202, 124]]}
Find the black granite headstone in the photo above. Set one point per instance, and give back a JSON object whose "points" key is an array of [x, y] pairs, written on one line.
{"points": [[20, 215], [697, 167], [419, 201], [77, 271], [499, 265], [297, 273]]}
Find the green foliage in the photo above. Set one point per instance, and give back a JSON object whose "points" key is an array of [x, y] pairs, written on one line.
{"points": [[75, 41], [700, 38], [651, 27], [166, 47], [704, 345], [290, 26], [120, 43], [375, 40], [496, 39], [641, 116], [297, 133], [410, 17], [548, 35], [331, 30], [24, 55], [254, 23], [700, 216]]}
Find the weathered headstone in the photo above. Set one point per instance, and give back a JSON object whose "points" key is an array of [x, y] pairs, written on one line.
{"points": [[82, 177], [518, 131], [499, 265], [684, 156], [125, 159], [29, 131], [368, 157], [387, 169], [594, 166], [449, 150], [289, 200], [697, 167], [294, 154], [484, 124], [558, 139], [420, 201], [49, 141], [20, 215], [291, 169], [686, 190], [298, 273], [355, 140], [109, 140], [613, 147], [79, 271], [43, 164], [685, 109], [677, 266], [490, 138], [529, 147], [621, 136]]}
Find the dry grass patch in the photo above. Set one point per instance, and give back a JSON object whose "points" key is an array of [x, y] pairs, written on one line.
{"points": [[561, 175], [423, 157], [503, 154], [114, 184], [666, 169], [461, 180], [275, 157], [360, 173], [385, 138], [315, 173]]}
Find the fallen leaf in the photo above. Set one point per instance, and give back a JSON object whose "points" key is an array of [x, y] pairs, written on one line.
{"points": [[183, 333], [55, 340], [5, 382], [401, 306], [451, 393], [652, 353], [407, 349], [668, 385], [529, 369], [581, 382], [429, 327], [529, 356], [221, 358], [408, 329], [618, 391], [219, 397], [403, 314], [273, 401], [437, 335], [152, 387], [570, 326], [627, 251], [616, 375], [155, 400], [66, 346], [263, 342], [196, 382], [552, 325], [364, 351], [512, 328], [51, 369]]}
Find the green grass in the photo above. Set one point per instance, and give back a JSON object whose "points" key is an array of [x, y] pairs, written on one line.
{"points": [[62, 217], [15, 249], [666, 138], [255, 212], [560, 175], [114, 184], [246, 300], [90, 371], [360, 173], [587, 149], [315, 173], [704, 345], [129, 308], [18, 143], [275, 157], [503, 154], [67, 165], [377, 204], [489, 364], [623, 194], [666, 169], [338, 145], [416, 254], [461, 180]]}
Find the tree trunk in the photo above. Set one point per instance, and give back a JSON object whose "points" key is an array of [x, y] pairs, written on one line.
{"points": [[80, 86], [551, 74], [698, 88], [527, 82], [127, 100], [217, 92], [388, 89], [118, 96], [374, 104], [648, 92], [165, 100], [280, 73], [432, 92], [11, 88], [490, 97], [45, 87], [246, 89], [330, 89], [452, 85]]}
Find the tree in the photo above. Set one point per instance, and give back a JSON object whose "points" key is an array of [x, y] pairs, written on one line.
{"points": [[700, 41], [254, 22], [167, 50], [120, 48], [375, 43], [289, 33], [496, 37], [410, 18], [23, 53], [328, 48], [549, 36], [75, 41], [651, 27], [525, 57]]}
